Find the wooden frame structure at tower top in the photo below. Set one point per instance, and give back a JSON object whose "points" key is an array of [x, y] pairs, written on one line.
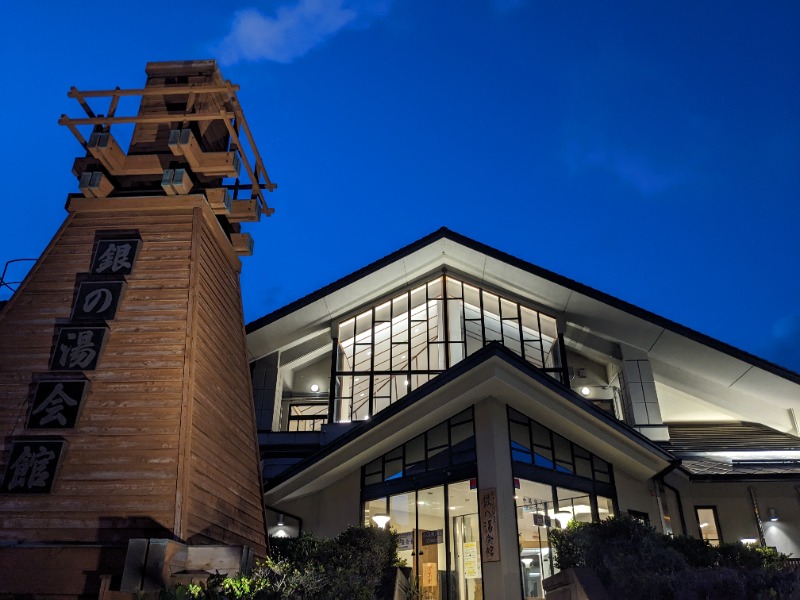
{"points": [[189, 136]]}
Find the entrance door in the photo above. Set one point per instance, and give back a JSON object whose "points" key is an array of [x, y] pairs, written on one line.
{"points": [[431, 554], [467, 558]]}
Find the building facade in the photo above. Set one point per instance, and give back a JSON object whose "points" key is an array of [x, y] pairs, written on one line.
{"points": [[474, 401]]}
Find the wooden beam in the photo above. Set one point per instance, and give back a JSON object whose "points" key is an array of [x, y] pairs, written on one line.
{"points": [[94, 184], [207, 163], [112, 107], [253, 179], [65, 120], [237, 109], [219, 199], [245, 210], [242, 244], [156, 91]]}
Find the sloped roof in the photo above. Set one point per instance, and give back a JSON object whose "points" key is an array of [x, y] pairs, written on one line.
{"points": [[492, 371], [681, 357], [721, 437], [734, 451]]}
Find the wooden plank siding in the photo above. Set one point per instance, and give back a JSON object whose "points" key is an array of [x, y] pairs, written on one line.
{"points": [[216, 502], [165, 444]]}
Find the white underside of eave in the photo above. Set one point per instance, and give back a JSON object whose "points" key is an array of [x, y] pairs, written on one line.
{"points": [[704, 371], [493, 378]]}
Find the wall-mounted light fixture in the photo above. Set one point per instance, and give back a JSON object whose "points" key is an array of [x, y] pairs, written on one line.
{"points": [[773, 514], [315, 388]]}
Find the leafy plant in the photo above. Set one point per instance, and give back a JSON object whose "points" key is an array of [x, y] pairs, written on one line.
{"points": [[347, 567], [635, 561]]}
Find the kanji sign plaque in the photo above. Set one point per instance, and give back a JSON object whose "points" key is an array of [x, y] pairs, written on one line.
{"points": [[56, 404], [115, 256], [97, 300], [77, 348], [32, 466]]}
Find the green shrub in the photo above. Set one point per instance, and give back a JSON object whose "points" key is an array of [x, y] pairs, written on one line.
{"points": [[635, 561], [347, 567]]}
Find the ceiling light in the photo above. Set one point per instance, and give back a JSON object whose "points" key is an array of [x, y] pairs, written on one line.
{"points": [[585, 391], [381, 519], [703, 525], [527, 562], [315, 388]]}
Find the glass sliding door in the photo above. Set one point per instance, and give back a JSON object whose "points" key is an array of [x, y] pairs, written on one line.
{"points": [[403, 519], [438, 537], [431, 549], [535, 517], [465, 547]]}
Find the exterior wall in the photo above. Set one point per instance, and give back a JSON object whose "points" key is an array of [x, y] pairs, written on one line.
{"points": [[221, 476], [330, 511], [634, 494], [165, 443], [120, 470], [493, 449], [736, 517], [50, 570], [266, 390]]}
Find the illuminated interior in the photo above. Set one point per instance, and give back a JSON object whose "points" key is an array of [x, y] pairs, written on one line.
{"points": [[390, 349]]}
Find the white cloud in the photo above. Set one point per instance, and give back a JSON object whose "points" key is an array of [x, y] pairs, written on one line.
{"points": [[293, 30]]}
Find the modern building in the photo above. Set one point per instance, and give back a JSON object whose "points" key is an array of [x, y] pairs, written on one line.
{"points": [[475, 400]]}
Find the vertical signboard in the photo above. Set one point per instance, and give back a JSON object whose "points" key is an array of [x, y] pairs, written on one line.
{"points": [[490, 536]]}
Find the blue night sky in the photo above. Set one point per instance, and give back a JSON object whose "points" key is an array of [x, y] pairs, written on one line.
{"points": [[648, 149]]}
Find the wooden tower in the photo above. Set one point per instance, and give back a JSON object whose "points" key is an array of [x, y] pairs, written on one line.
{"points": [[125, 399]]}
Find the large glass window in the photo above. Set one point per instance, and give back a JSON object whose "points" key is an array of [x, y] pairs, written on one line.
{"points": [[307, 416], [449, 444], [439, 537], [534, 444], [540, 507], [395, 347]]}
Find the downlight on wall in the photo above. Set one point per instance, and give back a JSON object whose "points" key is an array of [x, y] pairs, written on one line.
{"points": [[773, 514]]}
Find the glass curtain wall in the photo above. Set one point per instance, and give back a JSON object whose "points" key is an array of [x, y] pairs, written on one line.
{"points": [[395, 347], [540, 507], [439, 538]]}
